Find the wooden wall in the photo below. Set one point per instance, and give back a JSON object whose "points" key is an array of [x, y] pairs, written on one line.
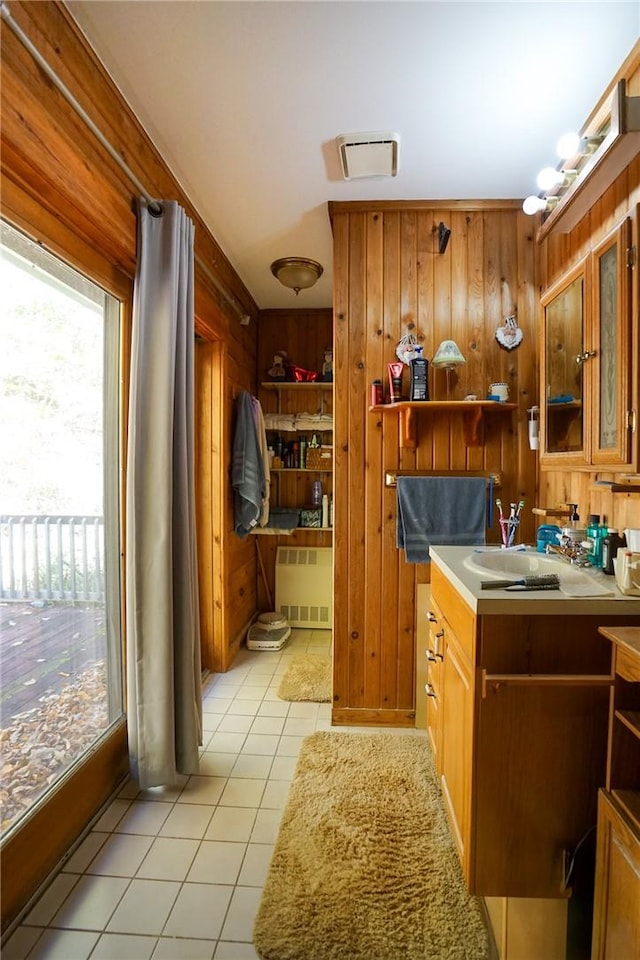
{"points": [[390, 279], [305, 335], [556, 255], [53, 167], [63, 189]]}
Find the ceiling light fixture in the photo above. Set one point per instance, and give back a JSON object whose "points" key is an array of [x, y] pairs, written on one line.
{"points": [[297, 273], [535, 204]]}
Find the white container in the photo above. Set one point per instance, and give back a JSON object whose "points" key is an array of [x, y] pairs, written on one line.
{"points": [[627, 570], [500, 390]]}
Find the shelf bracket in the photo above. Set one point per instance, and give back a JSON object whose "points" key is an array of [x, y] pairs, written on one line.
{"points": [[407, 429], [472, 427]]}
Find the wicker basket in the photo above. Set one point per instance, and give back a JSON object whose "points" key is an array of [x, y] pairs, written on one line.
{"points": [[319, 458]]}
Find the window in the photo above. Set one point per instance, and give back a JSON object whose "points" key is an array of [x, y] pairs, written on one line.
{"points": [[61, 683]]}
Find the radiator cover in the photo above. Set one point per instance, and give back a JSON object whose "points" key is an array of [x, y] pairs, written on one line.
{"points": [[304, 586]]}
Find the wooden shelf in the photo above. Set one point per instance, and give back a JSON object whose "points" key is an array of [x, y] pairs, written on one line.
{"points": [[472, 412], [301, 470], [619, 147], [295, 385], [607, 486]]}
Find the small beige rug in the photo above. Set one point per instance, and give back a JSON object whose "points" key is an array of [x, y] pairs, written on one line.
{"points": [[364, 867], [308, 677]]}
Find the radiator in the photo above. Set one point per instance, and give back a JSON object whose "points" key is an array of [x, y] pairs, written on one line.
{"points": [[304, 586]]}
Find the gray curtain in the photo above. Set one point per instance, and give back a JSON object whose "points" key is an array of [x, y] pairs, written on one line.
{"points": [[164, 706]]}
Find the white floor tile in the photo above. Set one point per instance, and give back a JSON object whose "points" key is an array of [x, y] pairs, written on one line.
{"points": [[255, 865], [217, 861], [266, 826], [64, 945], [268, 725], [275, 794], [226, 742], [249, 766], [120, 946], [188, 821], [231, 823], [144, 817], [234, 723], [80, 860], [242, 793], [164, 794], [120, 856], [240, 707], [214, 764], [252, 691], [235, 951], [172, 948], [202, 790], [272, 708], [210, 723], [199, 911], [303, 710], [217, 704], [20, 942], [261, 744], [114, 812], [283, 768], [91, 903], [298, 727], [145, 907], [168, 859], [51, 900], [241, 914], [289, 746]]}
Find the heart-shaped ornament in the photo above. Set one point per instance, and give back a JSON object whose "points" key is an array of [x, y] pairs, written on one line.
{"points": [[509, 335]]}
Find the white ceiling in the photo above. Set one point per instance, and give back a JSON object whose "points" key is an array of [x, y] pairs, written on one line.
{"points": [[245, 100]]}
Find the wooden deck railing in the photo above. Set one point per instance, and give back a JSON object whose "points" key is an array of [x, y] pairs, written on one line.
{"points": [[52, 557]]}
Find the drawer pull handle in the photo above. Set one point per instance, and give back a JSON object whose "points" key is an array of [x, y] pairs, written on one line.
{"points": [[431, 656], [440, 634], [431, 617], [430, 692]]}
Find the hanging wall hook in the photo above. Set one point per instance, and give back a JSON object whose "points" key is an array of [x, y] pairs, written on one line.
{"points": [[443, 237]]}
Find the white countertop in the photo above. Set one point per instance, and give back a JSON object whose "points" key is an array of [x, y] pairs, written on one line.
{"points": [[450, 560]]}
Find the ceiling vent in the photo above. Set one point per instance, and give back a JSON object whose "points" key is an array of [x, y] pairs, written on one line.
{"points": [[368, 156]]}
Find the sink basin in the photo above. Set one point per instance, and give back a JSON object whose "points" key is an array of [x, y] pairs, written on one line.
{"points": [[502, 564]]}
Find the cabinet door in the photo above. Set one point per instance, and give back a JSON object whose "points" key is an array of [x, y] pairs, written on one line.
{"points": [[435, 658], [616, 919], [611, 335], [456, 743], [564, 409]]}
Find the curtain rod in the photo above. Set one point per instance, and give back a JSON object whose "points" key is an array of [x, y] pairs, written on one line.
{"points": [[154, 205]]}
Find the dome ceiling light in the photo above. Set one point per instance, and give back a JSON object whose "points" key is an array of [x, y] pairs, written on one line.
{"points": [[297, 273]]}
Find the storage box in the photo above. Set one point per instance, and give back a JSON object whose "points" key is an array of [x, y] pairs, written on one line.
{"points": [[319, 458], [311, 517]]}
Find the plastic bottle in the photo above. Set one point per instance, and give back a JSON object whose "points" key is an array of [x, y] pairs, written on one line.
{"points": [[595, 535], [377, 396], [610, 546], [419, 383], [303, 452], [316, 494]]}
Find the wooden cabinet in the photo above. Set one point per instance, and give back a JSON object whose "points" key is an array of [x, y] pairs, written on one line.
{"points": [[294, 411], [616, 929], [520, 741], [587, 419]]}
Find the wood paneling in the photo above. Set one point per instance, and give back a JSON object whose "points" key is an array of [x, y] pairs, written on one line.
{"points": [[63, 189], [556, 255], [390, 280]]}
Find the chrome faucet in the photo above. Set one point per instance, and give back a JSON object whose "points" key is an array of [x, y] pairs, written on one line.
{"points": [[572, 550]]}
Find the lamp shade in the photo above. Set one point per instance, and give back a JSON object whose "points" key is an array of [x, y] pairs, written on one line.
{"points": [[447, 355], [297, 273]]}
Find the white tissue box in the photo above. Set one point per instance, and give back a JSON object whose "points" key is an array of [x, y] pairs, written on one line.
{"points": [[628, 572]]}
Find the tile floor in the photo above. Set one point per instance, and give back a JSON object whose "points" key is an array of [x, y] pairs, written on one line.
{"points": [[177, 874]]}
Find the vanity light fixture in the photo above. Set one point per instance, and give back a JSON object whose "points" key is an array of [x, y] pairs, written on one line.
{"points": [[550, 178], [297, 273], [573, 145], [448, 356], [534, 204]]}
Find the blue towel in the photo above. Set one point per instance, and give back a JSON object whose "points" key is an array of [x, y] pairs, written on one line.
{"points": [[439, 510], [247, 470]]}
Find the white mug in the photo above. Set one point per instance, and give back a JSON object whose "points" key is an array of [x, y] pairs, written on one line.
{"points": [[499, 390]]}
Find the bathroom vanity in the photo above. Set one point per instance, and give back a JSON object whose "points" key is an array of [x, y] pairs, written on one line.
{"points": [[517, 704]]}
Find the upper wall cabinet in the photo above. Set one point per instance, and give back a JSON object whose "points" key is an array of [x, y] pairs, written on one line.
{"points": [[587, 420]]}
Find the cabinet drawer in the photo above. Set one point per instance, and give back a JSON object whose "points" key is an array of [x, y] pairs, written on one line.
{"points": [[460, 618], [627, 665]]}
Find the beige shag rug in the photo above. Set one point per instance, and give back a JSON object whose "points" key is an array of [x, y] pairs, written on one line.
{"points": [[308, 677], [364, 866]]}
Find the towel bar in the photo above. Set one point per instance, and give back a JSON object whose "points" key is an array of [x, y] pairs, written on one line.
{"points": [[391, 476]]}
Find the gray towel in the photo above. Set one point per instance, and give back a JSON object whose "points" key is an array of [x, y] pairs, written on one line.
{"points": [[439, 510], [247, 471]]}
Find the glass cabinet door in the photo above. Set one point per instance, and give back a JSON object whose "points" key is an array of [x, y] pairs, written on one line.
{"points": [[612, 361], [563, 362]]}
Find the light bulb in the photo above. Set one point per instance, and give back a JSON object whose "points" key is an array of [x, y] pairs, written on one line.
{"points": [[549, 177], [568, 145], [533, 205]]}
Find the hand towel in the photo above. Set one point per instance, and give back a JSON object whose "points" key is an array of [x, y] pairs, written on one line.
{"points": [[439, 510], [247, 471]]}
